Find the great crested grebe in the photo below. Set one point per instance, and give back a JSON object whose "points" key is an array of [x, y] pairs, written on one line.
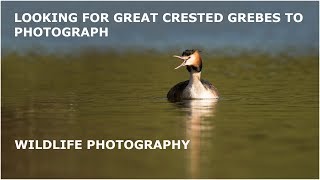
{"points": [[194, 88]]}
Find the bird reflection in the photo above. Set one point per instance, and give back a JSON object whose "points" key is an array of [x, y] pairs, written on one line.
{"points": [[198, 125]]}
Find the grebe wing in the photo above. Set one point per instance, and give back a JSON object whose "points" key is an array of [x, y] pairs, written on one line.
{"points": [[176, 91], [210, 86]]}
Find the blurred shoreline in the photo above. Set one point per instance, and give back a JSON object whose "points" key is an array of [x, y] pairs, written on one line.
{"points": [[232, 51]]}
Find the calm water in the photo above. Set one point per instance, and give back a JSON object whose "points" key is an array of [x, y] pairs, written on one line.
{"points": [[264, 126]]}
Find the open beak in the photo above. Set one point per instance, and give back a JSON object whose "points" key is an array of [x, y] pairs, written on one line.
{"points": [[183, 58]]}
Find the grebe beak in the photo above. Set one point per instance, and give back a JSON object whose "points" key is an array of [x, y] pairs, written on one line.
{"points": [[183, 58]]}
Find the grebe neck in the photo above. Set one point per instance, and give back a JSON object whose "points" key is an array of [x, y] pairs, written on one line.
{"points": [[195, 88], [194, 77]]}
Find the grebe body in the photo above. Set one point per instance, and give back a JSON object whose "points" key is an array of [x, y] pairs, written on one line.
{"points": [[195, 87]]}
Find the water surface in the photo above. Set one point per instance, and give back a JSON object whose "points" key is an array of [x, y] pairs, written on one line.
{"points": [[264, 126]]}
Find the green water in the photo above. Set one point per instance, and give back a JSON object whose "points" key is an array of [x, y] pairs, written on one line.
{"points": [[264, 126]]}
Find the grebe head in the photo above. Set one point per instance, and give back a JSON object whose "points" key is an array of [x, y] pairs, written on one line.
{"points": [[191, 59]]}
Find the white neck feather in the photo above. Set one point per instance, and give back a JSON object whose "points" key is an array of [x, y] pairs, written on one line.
{"points": [[194, 78], [195, 88]]}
